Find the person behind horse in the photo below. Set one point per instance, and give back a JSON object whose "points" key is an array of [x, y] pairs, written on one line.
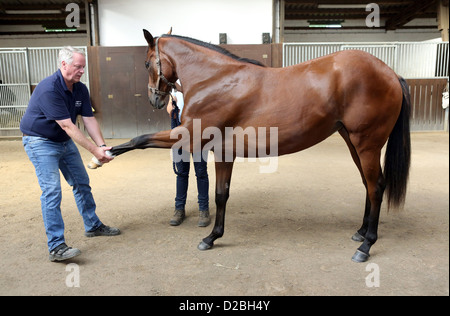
{"points": [[49, 132], [181, 168]]}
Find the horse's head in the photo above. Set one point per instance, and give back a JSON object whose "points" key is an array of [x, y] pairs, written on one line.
{"points": [[161, 74]]}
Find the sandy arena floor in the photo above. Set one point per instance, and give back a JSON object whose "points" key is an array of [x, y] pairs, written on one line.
{"points": [[286, 233]]}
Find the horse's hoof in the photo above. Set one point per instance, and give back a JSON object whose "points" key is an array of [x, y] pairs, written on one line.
{"points": [[203, 246], [360, 256], [358, 237]]}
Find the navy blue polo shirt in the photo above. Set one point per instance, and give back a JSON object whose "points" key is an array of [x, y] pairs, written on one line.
{"points": [[51, 101]]}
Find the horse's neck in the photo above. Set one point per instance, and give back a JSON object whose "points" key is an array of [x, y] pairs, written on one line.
{"points": [[194, 64]]}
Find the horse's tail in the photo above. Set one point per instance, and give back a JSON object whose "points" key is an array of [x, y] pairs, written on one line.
{"points": [[398, 153]]}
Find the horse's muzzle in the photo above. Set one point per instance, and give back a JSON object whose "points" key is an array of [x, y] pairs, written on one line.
{"points": [[157, 101]]}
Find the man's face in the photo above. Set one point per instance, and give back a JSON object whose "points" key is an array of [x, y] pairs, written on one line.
{"points": [[72, 72]]}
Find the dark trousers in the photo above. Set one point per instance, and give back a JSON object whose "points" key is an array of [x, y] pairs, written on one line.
{"points": [[182, 170], [201, 173]]}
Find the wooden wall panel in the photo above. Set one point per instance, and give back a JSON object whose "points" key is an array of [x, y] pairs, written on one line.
{"points": [[426, 104], [261, 53], [119, 93]]}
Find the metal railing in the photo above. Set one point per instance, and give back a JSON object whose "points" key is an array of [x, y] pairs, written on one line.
{"points": [[408, 59], [424, 64], [20, 69]]}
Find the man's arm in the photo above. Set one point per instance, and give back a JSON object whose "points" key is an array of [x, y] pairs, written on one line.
{"points": [[93, 129], [74, 132]]}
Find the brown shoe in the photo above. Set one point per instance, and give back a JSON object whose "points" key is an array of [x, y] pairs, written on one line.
{"points": [[203, 218], [177, 218]]}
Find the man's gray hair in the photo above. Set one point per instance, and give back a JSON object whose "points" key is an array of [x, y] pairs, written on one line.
{"points": [[66, 54]]}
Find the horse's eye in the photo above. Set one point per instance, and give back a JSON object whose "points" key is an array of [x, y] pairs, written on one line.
{"points": [[147, 64]]}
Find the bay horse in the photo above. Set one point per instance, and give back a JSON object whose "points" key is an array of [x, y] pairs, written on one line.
{"points": [[350, 92]]}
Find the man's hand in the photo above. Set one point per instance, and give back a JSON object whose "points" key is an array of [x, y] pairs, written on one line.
{"points": [[102, 155], [170, 104]]}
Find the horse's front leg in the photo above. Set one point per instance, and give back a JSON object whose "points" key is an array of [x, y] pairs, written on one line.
{"points": [[156, 140], [223, 178]]}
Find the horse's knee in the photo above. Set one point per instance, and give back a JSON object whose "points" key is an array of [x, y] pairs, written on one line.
{"points": [[222, 198], [139, 141]]}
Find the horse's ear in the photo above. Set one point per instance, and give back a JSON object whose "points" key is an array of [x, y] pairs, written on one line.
{"points": [[148, 37], [170, 32]]}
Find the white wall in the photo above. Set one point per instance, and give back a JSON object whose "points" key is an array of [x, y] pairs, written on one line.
{"points": [[244, 21]]}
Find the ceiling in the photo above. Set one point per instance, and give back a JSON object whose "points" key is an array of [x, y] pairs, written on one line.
{"points": [[394, 13], [50, 14]]}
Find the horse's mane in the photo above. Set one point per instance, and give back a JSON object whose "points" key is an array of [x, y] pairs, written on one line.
{"points": [[217, 49]]}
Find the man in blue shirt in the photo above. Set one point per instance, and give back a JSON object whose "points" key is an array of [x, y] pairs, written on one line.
{"points": [[49, 132]]}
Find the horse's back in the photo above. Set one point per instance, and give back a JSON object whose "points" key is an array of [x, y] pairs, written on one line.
{"points": [[314, 99]]}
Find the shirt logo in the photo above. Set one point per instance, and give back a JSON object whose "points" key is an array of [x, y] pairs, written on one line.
{"points": [[78, 104]]}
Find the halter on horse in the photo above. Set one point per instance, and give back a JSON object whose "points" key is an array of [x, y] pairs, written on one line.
{"points": [[156, 91]]}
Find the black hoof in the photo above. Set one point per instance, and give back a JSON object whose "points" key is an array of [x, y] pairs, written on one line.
{"points": [[203, 246], [360, 256], [358, 237]]}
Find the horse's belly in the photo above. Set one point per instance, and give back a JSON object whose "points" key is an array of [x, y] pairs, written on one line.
{"points": [[277, 140]]}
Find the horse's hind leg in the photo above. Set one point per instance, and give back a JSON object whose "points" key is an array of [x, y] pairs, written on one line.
{"points": [[223, 178], [359, 235], [368, 163]]}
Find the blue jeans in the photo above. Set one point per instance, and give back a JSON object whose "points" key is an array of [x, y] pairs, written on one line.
{"points": [[182, 171], [201, 173], [49, 158]]}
